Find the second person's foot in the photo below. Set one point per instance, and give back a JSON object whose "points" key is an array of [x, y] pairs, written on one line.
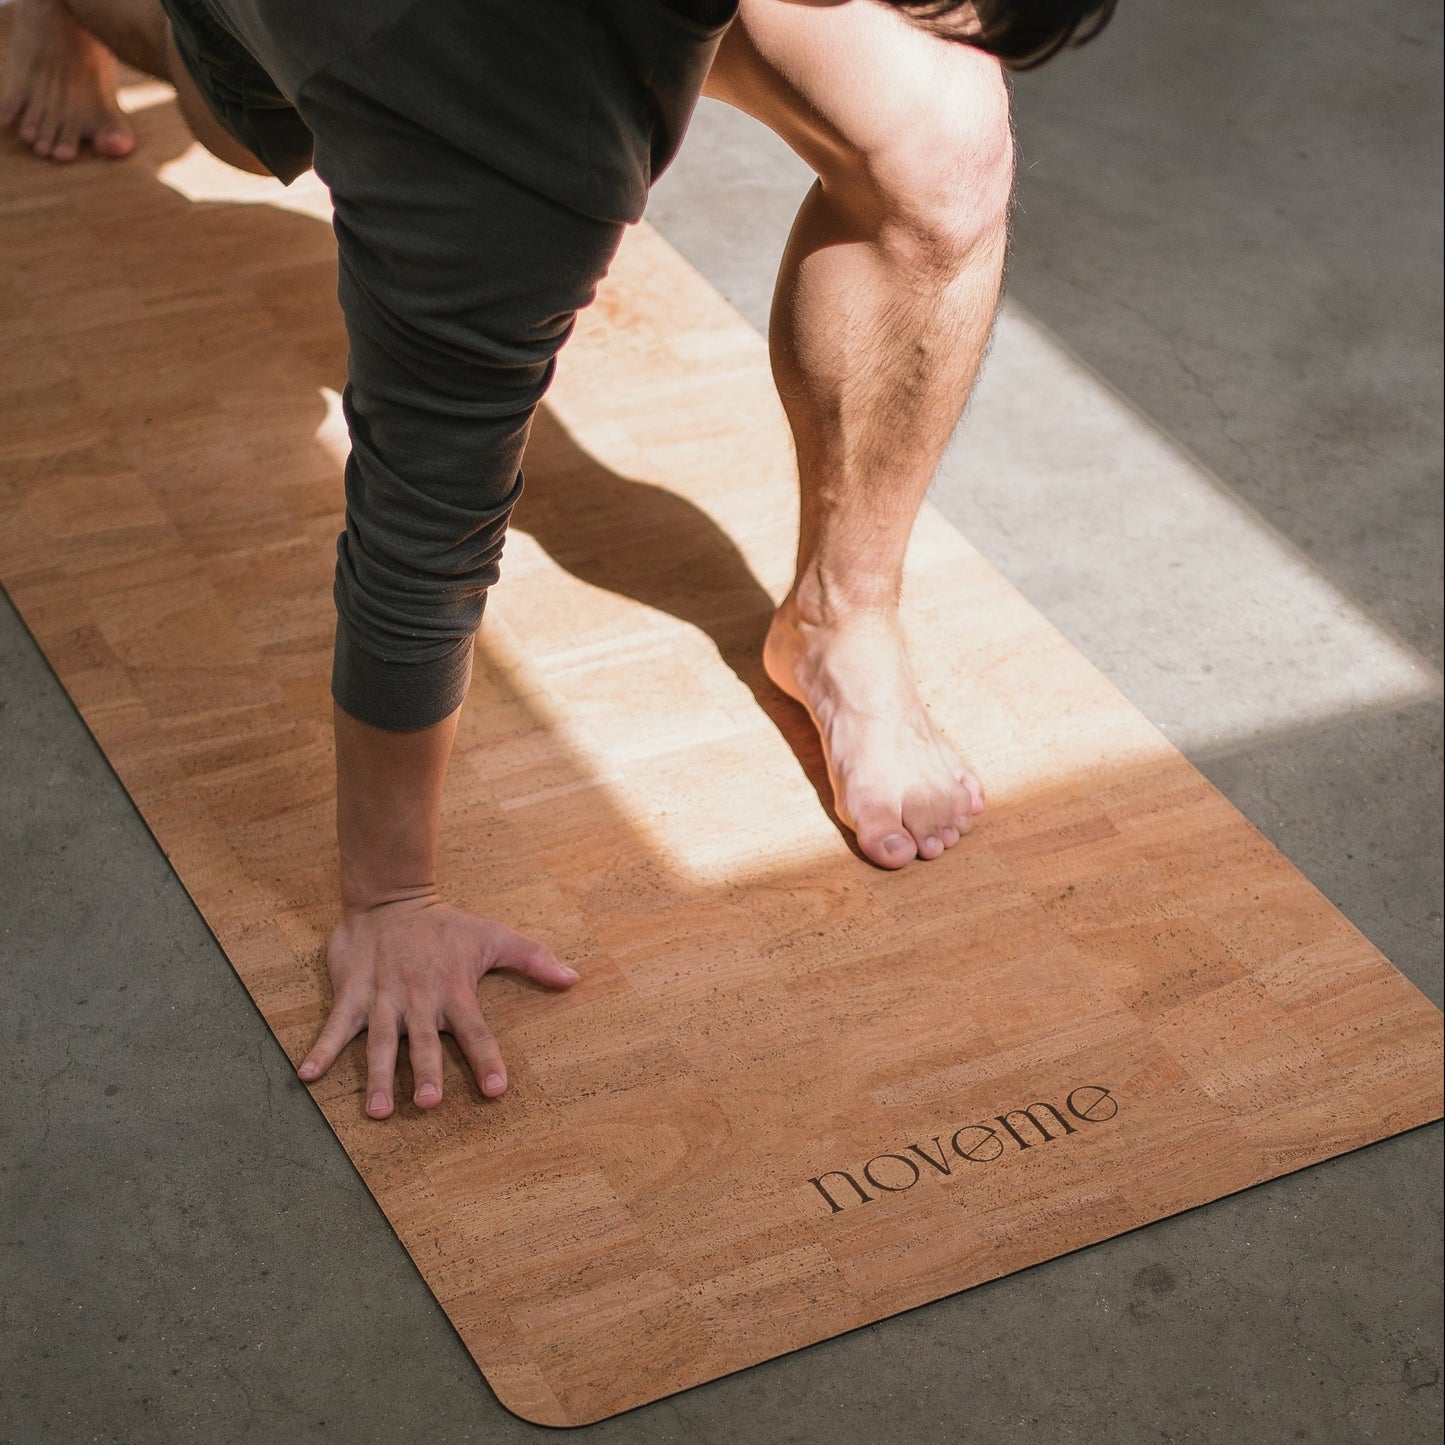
{"points": [[58, 87]]}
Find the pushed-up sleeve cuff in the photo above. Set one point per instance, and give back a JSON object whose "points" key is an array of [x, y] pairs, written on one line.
{"points": [[398, 696]]}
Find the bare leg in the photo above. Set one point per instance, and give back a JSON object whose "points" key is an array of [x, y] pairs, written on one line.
{"points": [[883, 308], [59, 80]]}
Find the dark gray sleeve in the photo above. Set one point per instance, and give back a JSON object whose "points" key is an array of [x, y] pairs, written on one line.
{"points": [[458, 286], [472, 224]]}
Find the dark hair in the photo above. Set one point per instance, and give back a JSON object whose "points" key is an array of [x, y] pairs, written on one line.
{"points": [[1021, 33]]}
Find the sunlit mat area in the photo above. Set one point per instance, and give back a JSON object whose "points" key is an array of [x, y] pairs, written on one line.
{"points": [[792, 1095]]}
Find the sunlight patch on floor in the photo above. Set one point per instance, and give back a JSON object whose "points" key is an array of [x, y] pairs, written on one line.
{"points": [[144, 95], [1200, 610], [198, 176]]}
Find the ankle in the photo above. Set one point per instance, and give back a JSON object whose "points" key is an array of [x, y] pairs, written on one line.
{"points": [[820, 599]]}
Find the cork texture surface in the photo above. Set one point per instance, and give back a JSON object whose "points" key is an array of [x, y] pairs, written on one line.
{"points": [[792, 1094]]}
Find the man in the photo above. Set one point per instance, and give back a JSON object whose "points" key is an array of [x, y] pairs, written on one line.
{"points": [[484, 157]]}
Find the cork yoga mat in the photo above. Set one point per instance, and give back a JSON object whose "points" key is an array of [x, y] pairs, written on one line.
{"points": [[792, 1094]]}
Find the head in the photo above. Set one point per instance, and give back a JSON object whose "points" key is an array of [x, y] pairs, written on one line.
{"points": [[1021, 33]]}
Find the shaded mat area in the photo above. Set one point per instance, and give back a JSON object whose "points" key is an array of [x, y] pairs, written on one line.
{"points": [[792, 1094]]}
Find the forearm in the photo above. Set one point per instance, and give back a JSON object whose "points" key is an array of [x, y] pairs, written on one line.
{"points": [[388, 808]]}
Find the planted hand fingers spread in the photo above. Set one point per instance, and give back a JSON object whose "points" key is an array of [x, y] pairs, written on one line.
{"points": [[478, 1045], [410, 970]]}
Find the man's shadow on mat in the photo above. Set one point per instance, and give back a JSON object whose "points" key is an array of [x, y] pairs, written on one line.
{"points": [[675, 559]]}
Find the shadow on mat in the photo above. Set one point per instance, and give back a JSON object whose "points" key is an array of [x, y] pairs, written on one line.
{"points": [[247, 293], [677, 560]]}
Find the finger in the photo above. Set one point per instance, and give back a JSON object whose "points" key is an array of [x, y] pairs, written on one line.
{"points": [[342, 1025], [381, 1036], [536, 961], [425, 1048], [478, 1045]]}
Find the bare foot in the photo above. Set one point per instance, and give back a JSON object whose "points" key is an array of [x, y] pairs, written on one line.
{"points": [[59, 86], [896, 780]]}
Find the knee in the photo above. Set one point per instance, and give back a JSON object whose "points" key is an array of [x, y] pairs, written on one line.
{"points": [[938, 188]]}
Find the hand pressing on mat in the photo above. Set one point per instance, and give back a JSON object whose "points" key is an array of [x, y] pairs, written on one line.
{"points": [[410, 967], [402, 962]]}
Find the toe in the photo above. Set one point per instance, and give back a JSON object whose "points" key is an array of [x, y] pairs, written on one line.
{"points": [[49, 127], [67, 140], [974, 789], [966, 799], [884, 839], [30, 120], [112, 135], [926, 818], [114, 139]]}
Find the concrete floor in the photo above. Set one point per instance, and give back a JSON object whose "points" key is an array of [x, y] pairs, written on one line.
{"points": [[1229, 216]]}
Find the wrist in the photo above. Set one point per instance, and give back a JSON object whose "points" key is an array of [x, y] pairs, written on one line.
{"points": [[388, 802], [360, 896]]}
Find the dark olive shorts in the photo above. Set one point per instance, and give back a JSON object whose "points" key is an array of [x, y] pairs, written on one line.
{"points": [[483, 157], [241, 95]]}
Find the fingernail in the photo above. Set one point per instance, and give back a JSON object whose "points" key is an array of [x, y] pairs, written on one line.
{"points": [[494, 1082]]}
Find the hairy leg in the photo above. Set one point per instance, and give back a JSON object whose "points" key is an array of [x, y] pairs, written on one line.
{"points": [[60, 76], [883, 308]]}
